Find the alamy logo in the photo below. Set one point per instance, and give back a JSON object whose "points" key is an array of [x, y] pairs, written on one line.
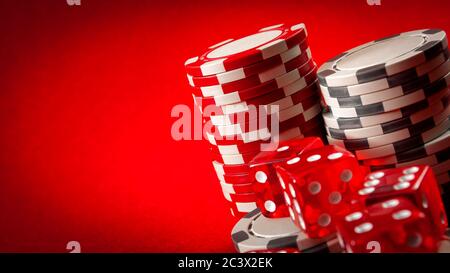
{"points": [[73, 2], [374, 2]]}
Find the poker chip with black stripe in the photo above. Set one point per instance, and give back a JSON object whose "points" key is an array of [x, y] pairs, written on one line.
{"points": [[431, 160], [254, 232], [384, 118], [424, 118], [402, 145], [406, 80], [371, 61], [399, 135], [440, 144], [397, 103], [389, 93]]}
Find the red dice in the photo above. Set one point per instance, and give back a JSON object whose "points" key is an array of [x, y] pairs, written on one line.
{"points": [[417, 183], [393, 225], [319, 184], [267, 187]]}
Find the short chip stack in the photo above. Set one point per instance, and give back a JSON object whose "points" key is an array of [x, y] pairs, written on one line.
{"points": [[254, 232], [388, 102], [248, 91]]}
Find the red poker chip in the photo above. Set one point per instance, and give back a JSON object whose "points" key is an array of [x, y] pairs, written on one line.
{"points": [[263, 113], [277, 80], [232, 54], [267, 104], [221, 168], [240, 197], [239, 132], [257, 68], [300, 122], [253, 109], [278, 97], [237, 159], [237, 188], [283, 98], [265, 96], [310, 128], [285, 119], [238, 149], [251, 80], [246, 138], [224, 115], [236, 179], [265, 134], [316, 129]]}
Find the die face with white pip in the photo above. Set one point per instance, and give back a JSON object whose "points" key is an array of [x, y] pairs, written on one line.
{"points": [[267, 187], [392, 226], [321, 183], [417, 183]]}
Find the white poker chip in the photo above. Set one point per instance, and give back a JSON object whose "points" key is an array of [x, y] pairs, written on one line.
{"points": [[425, 118], [390, 93], [430, 93], [403, 145], [441, 121], [382, 58], [437, 145], [385, 118], [423, 74]]}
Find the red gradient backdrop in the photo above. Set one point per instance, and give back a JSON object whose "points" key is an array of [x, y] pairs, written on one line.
{"points": [[86, 92]]}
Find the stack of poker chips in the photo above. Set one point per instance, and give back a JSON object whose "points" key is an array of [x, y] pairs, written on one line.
{"points": [[251, 91], [388, 102]]}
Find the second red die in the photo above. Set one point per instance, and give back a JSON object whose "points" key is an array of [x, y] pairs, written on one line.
{"points": [[417, 183], [392, 226]]}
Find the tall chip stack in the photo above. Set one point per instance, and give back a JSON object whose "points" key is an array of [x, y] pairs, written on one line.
{"points": [[272, 71], [388, 102]]}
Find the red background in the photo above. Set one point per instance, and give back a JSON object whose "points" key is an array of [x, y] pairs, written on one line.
{"points": [[85, 98]]}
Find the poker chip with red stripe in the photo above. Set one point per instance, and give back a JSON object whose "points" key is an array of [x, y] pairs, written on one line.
{"points": [[236, 53], [296, 118], [300, 128], [258, 78], [307, 106], [256, 68]]}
